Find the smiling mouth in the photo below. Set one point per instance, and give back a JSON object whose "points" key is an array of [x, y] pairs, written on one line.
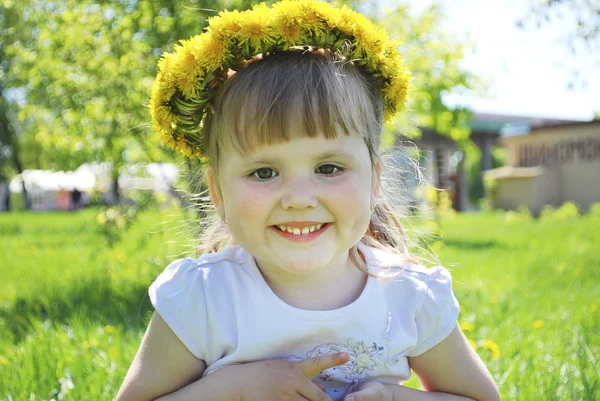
{"points": [[299, 235], [300, 231]]}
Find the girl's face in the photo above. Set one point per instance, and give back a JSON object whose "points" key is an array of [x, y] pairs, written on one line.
{"points": [[302, 183]]}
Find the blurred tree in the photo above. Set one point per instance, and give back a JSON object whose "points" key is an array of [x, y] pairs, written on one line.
{"points": [[86, 70], [580, 22], [10, 143], [433, 57]]}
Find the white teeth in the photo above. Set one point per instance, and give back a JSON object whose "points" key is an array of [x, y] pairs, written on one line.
{"points": [[303, 231]]}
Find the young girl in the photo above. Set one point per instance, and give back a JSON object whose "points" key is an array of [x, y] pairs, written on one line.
{"points": [[306, 289]]}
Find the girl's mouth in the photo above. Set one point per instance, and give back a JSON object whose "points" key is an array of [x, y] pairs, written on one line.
{"points": [[301, 237]]}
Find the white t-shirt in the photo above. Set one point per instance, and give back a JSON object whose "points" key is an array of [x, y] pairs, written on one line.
{"points": [[221, 308]]}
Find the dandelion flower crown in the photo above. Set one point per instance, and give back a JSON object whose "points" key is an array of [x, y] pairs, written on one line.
{"points": [[188, 78]]}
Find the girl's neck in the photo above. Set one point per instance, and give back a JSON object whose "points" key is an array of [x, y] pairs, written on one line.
{"points": [[333, 289]]}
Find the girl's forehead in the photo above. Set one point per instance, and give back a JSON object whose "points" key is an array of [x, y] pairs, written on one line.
{"points": [[303, 145]]}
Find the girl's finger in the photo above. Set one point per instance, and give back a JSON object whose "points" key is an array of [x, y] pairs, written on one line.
{"points": [[313, 366], [322, 387]]}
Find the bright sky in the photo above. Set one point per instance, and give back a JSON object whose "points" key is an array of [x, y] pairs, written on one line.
{"points": [[528, 71]]}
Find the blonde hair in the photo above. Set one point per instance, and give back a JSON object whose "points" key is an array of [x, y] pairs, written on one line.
{"points": [[259, 103]]}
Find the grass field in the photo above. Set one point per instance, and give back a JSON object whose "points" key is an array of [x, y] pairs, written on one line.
{"points": [[72, 310]]}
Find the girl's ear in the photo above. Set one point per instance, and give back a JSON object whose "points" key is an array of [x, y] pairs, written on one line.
{"points": [[212, 188]]}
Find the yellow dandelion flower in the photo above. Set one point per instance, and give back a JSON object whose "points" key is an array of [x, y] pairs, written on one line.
{"points": [[343, 19], [186, 69], [209, 50], [110, 329], [101, 218], [467, 326], [86, 344], [473, 345], [226, 24], [538, 324], [493, 299], [93, 342], [165, 68], [113, 352], [285, 15], [593, 307], [369, 39], [3, 360], [395, 97], [162, 117], [255, 26], [311, 16], [493, 347]]}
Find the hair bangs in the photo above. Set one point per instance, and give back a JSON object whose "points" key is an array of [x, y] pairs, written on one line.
{"points": [[291, 95]]}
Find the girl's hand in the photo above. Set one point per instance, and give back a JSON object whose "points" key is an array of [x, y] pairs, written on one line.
{"points": [[281, 380], [371, 391]]}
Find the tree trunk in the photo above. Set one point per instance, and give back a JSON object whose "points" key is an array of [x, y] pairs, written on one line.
{"points": [[19, 168], [114, 190]]}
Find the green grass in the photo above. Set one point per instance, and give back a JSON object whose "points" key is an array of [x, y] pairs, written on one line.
{"points": [[72, 310]]}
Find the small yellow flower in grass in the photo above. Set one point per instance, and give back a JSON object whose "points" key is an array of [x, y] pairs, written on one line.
{"points": [[110, 329], [493, 299], [593, 307], [120, 256], [93, 342], [3, 360], [113, 352], [538, 324], [493, 347], [467, 326], [101, 218], [473, 344]]}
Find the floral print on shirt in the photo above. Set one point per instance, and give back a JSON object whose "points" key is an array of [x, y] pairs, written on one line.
{"points": [[364, 361]]}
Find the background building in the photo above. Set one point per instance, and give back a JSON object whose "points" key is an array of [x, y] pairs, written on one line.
{"points": [[550, 164]]}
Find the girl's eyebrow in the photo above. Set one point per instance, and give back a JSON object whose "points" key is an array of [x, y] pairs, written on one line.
{"points": [[324, 155]]}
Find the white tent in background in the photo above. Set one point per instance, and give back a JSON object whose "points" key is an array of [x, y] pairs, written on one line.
{"points": [[50, 190]]}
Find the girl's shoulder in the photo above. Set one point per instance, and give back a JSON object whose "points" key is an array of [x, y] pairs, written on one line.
{"points": [[393, 266], [208, 266]]}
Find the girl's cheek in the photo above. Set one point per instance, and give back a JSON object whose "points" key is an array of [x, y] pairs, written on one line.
{"points": [[253, 198]]}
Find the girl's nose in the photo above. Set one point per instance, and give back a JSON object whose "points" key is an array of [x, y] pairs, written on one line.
{"points": [[299, 194]]}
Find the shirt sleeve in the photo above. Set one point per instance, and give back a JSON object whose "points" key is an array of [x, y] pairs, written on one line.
{"points": [[439, 313], [178, 298]]}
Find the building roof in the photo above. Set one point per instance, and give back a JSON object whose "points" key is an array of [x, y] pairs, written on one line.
{"points": [[566, 124], [508, 125], [514, 172]]}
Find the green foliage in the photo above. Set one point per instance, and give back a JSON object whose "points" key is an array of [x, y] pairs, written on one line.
{"points": [[567, 211], [115, 221], [432, 55]]}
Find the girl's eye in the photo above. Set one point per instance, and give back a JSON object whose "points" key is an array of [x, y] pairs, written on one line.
{"points": [[329, 169], [263, 173], [266, 173]]}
